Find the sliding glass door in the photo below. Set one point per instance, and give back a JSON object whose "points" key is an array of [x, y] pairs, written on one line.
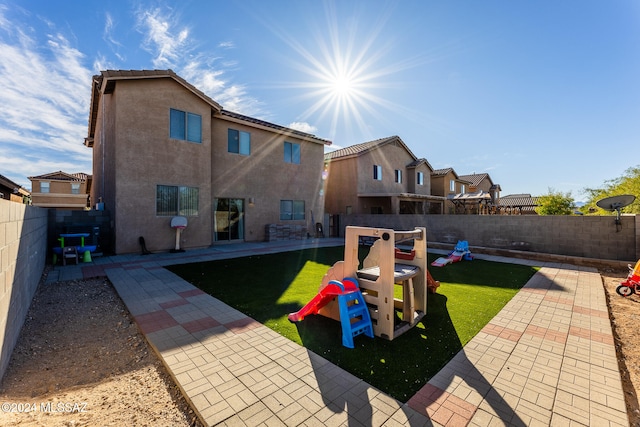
{"points": [[228, 218]]}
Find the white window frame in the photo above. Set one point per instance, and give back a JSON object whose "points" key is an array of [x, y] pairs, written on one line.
{"points": [[377, 172]]}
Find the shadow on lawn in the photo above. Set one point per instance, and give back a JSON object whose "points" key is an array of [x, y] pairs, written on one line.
{"points": [[437, 343]]}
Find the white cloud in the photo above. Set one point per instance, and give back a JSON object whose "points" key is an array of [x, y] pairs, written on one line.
{"points": [[171, 45], [46, 95], [167, 43], [46, 84], [303, 127]]}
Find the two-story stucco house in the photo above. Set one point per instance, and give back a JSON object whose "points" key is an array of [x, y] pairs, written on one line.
{"points": [[61, 190], [378, 177], [162, 148], [446, 183]]}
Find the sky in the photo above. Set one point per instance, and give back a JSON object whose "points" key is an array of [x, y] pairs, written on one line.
{"points": [[541, 95]]}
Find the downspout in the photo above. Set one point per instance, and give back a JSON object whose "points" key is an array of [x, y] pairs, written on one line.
{"points": [[102, 144]]}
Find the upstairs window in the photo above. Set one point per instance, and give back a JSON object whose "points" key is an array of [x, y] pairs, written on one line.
{"points": [[44, 187], [75, 188], [185, 126], [377, 172], [452, 185], [462, 189], [292, 153], [420, 178], [399, 176], [174, 200], [239, 142]]}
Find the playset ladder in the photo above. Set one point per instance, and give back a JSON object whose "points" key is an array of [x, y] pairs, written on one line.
{"points": [[353, 307]]}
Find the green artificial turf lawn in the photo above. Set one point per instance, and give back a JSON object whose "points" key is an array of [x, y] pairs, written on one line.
{"points": [[269, 287]]}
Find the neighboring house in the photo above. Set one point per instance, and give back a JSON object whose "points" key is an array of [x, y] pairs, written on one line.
{"points": [[61, 190], [518, 204], [378, 177], [446, 183], [482, 195], [162, 148], [13, 192]]}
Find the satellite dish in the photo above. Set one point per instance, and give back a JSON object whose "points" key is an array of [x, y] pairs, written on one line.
{"points": [[616, 203]]}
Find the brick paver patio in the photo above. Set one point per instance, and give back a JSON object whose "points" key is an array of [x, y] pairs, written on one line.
{"points": [[547, 358]]}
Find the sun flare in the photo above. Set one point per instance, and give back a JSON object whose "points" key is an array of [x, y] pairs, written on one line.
{"points": [[341, 86], [344, 75]]}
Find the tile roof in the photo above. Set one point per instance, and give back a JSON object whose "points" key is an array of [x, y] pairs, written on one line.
{"points": [[63, 176], [113, 75], [358, 149], [273, 126], [108, 78], [442, 172], [8, 183], [518, 200], [475, 178]]}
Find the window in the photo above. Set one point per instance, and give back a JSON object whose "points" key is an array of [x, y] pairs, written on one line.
{"points": [[420, 178], [462, 189], [398, 176], [44, 187], [185, 126], [292, 153], [75, 188], [377, 172], [173, 200], [452, 185], [291, 209], [239, 142]]}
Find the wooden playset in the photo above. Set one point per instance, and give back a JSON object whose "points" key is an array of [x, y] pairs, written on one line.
{"points": [[380, 271]]}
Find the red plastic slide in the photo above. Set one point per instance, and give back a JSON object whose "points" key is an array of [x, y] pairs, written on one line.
{"points": [[325, 295]]}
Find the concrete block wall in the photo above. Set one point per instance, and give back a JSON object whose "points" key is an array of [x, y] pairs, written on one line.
{"points": [[579, 236], [81, 221], [23, 238]]}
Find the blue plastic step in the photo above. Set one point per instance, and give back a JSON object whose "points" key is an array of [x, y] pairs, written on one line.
{"points": [[356, 310]]}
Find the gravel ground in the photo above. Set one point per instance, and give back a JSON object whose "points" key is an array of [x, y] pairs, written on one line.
{"points": [[81, 361]]}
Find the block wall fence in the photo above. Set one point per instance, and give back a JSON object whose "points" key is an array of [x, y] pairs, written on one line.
{"points": [[589, 237], [23, 253]]}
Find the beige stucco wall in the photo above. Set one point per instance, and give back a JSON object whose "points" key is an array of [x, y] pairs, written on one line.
{"points": [[341, 189], [133, 154], [145, 157], [353, 176], [412, 185], [390, 157], [59, 195], [265, 177]]}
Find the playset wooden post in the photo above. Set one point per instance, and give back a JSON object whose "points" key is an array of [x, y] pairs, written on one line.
{"points": [[385, 267]]}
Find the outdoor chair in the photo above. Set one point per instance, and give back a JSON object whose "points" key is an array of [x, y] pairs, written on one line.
{"points": [[70, 252]]}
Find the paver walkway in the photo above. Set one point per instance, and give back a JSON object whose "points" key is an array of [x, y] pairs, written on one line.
{"points": [[547, 358]]}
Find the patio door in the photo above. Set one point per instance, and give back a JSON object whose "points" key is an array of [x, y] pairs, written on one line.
{"points": [[228, 217]]}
